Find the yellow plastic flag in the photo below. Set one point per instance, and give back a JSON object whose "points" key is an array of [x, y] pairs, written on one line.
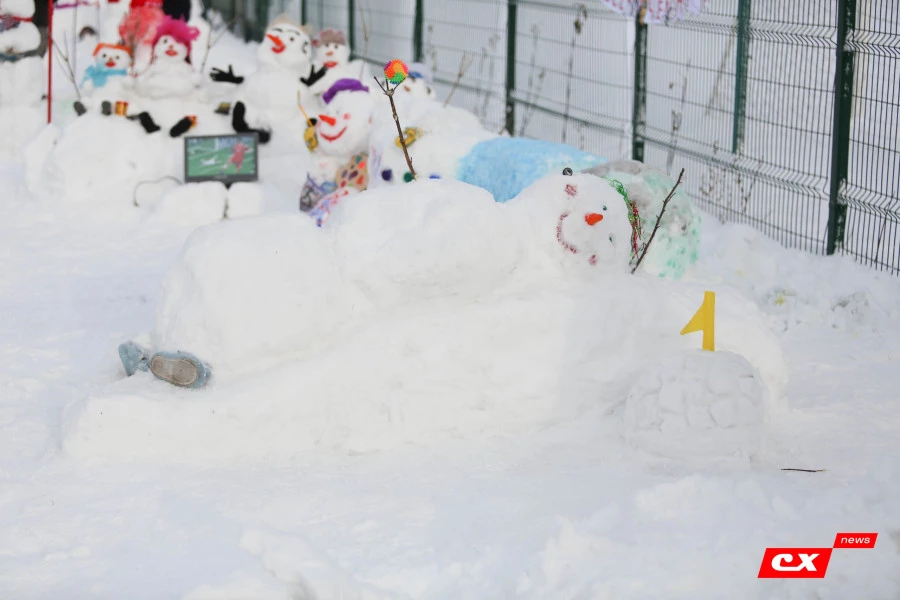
{"points": [[704, 320]]}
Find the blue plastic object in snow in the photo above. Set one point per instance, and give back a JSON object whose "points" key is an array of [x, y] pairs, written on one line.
{"points": [[505, 166]]}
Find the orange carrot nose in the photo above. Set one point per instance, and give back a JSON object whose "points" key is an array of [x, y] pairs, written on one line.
{"points": [[330, 120], [593, 218], [275, 39]]}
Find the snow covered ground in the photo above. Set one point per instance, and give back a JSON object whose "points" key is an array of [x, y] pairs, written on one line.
{"points": [[568, 511], [108, 490]]}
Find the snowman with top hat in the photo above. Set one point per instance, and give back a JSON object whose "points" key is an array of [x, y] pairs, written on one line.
{"points": [[342, 132], [270, 96], [170, 93]]}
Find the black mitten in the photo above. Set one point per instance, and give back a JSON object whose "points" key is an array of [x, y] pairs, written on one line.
{"points": [[313, 76], [147, 122], [181, 127], [79, 108], [225, 76], [106, 107], [239, 123]]}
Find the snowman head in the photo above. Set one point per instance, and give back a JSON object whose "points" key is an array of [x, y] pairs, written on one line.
{"points": [[344, 126], [331, 48], [286, 45], [111, 56], [172, 41], [419, 82]]}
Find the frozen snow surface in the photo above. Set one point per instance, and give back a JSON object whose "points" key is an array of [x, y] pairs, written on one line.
{"points": [[435, 395]]}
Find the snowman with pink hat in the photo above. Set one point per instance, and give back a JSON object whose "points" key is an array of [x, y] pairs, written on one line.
{"points": [[170, 93]]}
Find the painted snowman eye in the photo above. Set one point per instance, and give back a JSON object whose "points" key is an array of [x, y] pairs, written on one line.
{"points": [[612, 239], [604, 207], [387, 174], [292, 38]]}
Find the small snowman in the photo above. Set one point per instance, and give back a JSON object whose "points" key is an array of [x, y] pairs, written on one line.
{"points": [[170, 87], [342, 133], [103, 81], [270, 96], [333, 54], [419, 83], [21, 75]]}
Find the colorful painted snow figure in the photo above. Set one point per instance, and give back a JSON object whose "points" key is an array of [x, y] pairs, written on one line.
{"points": [[105, 82], [657, 11], [270, 96], [111, 61], [343, 130], [677, 241], [419, 82], [170, 89], [505, 166], [21, 75]]}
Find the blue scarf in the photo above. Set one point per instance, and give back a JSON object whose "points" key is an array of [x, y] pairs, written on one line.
{"points": [[99, 75]]}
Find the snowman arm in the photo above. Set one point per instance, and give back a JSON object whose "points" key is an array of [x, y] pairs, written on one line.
{"points": [[313, 76], [226, 76]]}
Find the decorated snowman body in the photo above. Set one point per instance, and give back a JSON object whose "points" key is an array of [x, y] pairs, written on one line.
{"points": [[342, 128], [273, 92], [21, 76], [419, 83], [106, 79]]}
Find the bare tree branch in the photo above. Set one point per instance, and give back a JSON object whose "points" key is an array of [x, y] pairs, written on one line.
{"points": [[658, 219]]}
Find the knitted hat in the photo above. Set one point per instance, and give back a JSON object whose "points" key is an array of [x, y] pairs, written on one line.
{"points": [[343, 85], [330, 36]]}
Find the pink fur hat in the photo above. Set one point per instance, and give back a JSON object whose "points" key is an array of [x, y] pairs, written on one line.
{"points": [[178, 29]]}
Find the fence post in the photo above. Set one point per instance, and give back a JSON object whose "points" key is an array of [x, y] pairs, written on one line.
{"points": [[843, 111], [304, 12], [418, 33], [740, 75], [511, 22], [351, 26], [639, 103]]}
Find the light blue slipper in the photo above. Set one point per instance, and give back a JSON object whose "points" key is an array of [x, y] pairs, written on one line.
{"points": [[180, 368], [134, 358]]}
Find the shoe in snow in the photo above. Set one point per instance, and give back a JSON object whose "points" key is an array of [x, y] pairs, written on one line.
{"points": [[179, 368]]}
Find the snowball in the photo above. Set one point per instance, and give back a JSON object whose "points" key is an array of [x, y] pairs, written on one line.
{"points": [[698, 403]]}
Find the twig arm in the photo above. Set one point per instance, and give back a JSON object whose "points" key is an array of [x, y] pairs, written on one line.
{"points": [[658, 219]]}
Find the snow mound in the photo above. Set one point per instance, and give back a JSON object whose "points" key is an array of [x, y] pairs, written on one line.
{"points": [[698, 403], [406, 319]]}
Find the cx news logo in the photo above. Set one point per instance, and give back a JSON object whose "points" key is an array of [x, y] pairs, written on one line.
{"points": [[808, 563]]}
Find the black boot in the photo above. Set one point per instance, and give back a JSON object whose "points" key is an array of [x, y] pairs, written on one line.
{"points": [[106, 108], [147, 122], [181, 127], [79, 108]]}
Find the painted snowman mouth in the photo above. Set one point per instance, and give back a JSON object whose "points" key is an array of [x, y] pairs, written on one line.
{"points": [[332, 138], [110, 64], [591, 219], [171, 52]]}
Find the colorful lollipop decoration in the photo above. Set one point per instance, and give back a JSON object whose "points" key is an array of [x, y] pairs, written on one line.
{"points": [[396, 71]]}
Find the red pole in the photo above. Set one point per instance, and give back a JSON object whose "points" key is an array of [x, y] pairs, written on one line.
{"points": [[49, 61]]}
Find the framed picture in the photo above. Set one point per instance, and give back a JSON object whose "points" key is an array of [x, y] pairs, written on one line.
{"points": [[226, 158]]}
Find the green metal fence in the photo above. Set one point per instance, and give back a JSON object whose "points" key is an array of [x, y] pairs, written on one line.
{"points": [[784, 115]]}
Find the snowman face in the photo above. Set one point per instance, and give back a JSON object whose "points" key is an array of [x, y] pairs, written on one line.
{"points": [[333, 55], [112, 58], [169, 50], [593, 227], [417, 87], [287, 47], [344, 127]]}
